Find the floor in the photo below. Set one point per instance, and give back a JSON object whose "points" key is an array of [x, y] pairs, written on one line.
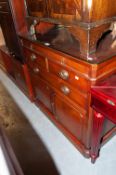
{"points": [[55, 154], [28, 147]]}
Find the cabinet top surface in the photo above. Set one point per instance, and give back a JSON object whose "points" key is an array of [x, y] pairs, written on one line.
{"points": [[72, 52]]}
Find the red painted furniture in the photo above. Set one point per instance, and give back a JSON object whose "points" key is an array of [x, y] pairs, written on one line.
{"points": [[104, 105]]}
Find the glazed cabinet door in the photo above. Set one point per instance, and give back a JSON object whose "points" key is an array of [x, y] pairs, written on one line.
{"points": [[67, 10], [37, 8], [71, 119], [42, 91]]}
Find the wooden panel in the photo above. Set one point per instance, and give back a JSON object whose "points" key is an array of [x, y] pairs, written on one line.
{"points": [[107, 9], [19, 15], [69, 10], [41, 90], [69, 117], [37, 7]]}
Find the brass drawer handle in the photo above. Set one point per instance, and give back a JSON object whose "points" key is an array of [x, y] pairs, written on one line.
{"points": [[33, 57], [64, 74], [65, 90], [36, 70]]}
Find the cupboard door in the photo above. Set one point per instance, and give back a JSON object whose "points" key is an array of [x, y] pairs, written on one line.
{"points": [[69, 10], [37, 8], [42, 91], [69, 117]]}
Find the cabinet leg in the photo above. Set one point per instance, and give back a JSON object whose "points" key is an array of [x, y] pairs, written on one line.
{"points": [[96, 135]]}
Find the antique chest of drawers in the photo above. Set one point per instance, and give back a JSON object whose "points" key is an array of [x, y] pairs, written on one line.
{"points": [[67, 48], [61, 87]]}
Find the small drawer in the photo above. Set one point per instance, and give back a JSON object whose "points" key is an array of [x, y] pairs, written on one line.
{"points": [[72, 77], [4, 7], [34, 60]]}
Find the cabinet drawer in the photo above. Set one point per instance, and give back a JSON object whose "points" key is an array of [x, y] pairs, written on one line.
{"points": [[66, 90], [4, 7], [34, 60], [69, 117], [72, 77], [42, 91]]}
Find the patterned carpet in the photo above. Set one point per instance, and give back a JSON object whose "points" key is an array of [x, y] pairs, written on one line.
{"points": [[30, 151]]}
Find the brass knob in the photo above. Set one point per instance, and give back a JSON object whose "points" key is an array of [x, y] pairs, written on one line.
{"points": [[65, 90], [0, 7], [64, 74], [33, 57], [36, 70]]}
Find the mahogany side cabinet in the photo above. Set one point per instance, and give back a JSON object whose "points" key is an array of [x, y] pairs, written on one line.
{"points": [[67, 47]]}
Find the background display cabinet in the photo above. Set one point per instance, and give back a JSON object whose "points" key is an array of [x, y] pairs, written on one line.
{"points": [[81, 18]]}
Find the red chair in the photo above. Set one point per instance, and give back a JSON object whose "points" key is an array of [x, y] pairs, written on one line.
{"points": [[103, 101]]}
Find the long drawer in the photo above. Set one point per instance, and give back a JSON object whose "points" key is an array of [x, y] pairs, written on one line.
{"points": [[67, 90], [70, 76]]}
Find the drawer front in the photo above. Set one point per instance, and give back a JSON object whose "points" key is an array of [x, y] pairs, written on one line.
{"points": [[73, 78], [4, 7], [35, 61], [66, 90], [42, 91]]}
